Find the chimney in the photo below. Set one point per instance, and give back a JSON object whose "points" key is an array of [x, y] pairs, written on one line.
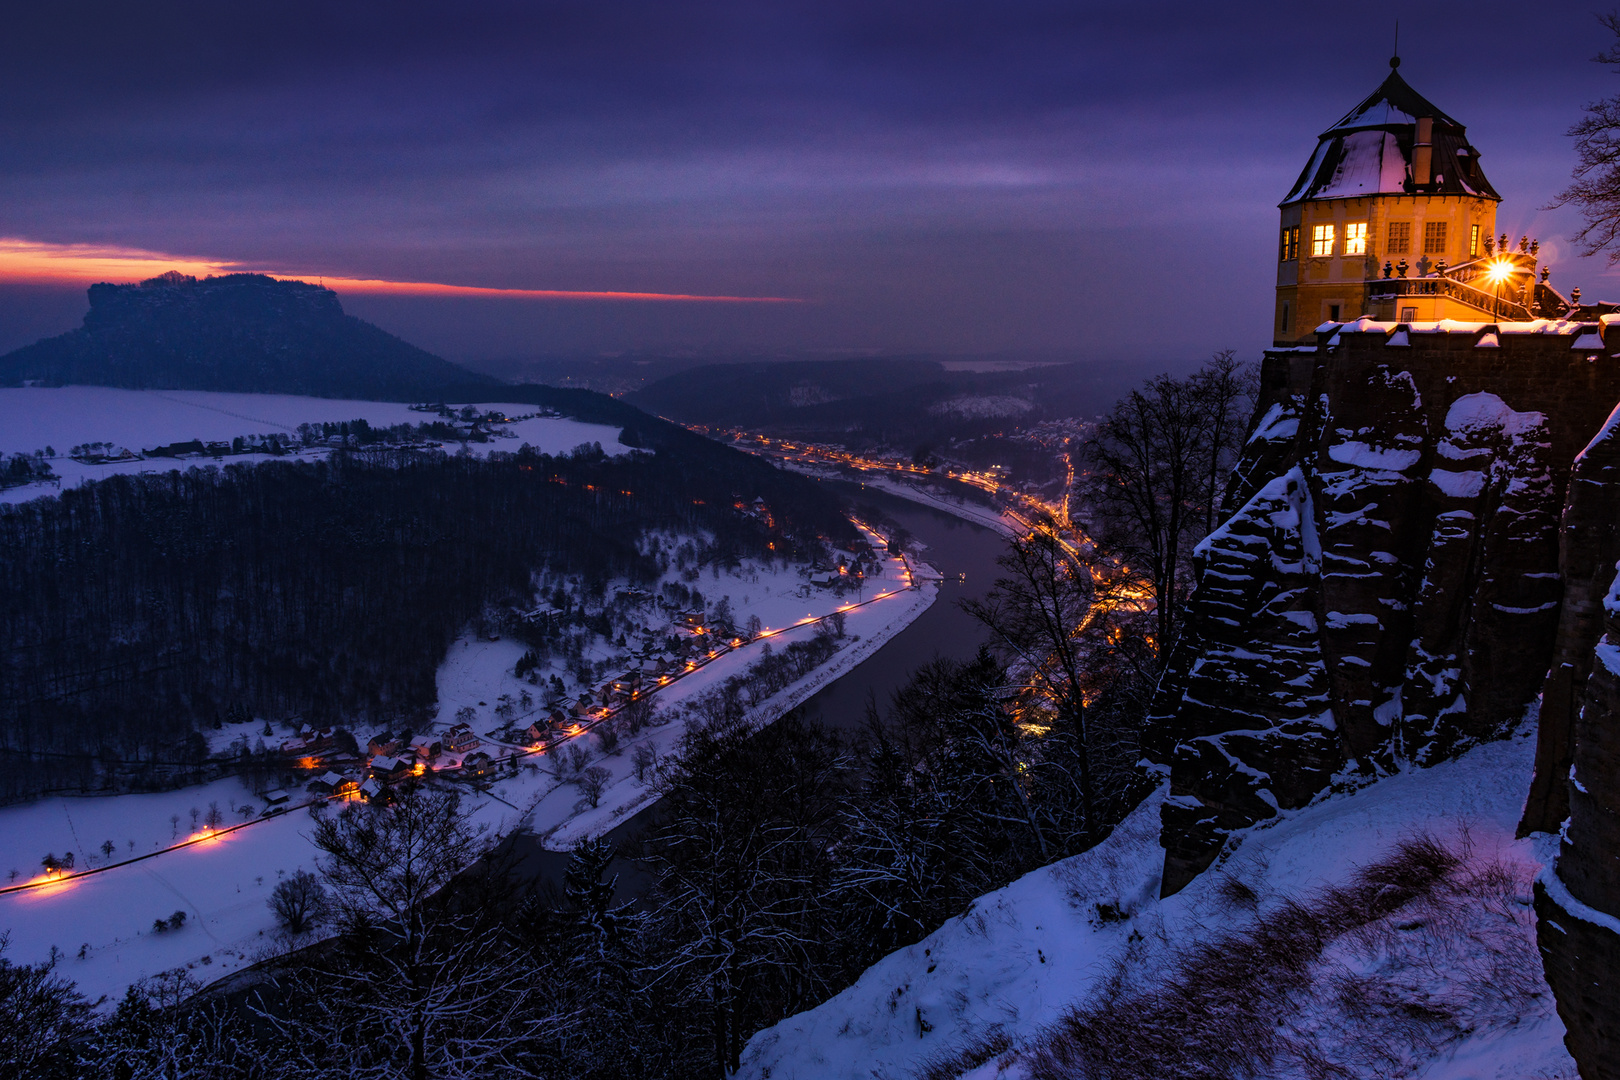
{"points": [[1423, 152]]}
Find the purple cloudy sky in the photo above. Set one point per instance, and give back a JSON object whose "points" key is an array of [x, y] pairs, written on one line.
{"points": [[1099, 180]]}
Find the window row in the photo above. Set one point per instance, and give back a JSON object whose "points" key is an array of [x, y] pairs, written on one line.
{"points": [[1399, 240]]}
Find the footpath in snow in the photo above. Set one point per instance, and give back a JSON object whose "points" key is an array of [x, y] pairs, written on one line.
{"points": [[1022, 955]]}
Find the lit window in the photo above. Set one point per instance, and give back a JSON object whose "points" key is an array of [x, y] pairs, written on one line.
{"points": [[1400, 237], [1355, 238], [1473, 241], [1434, 238], [1321, 240], [1289, 249]]}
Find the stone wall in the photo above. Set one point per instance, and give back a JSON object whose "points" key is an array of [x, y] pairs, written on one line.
{"points": [[1427, 542]]}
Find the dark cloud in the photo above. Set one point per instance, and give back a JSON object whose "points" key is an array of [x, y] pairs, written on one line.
{"points": [[956, 176]]}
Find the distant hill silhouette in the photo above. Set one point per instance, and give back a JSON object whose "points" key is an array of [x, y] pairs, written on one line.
{"points": [[241, 332]]}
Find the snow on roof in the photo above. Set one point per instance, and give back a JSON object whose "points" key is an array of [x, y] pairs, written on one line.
{"points": [[276, 796], [1369, 162], [1394, 102], [1369, 151]]}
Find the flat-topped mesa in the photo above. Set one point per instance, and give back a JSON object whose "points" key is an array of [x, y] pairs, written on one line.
{"points": [[1389, 592]]}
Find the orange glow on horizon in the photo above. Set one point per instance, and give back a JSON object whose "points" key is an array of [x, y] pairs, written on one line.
{"points": [[29, 262]]}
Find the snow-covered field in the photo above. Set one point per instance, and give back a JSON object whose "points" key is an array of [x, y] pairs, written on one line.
{"points": [[1024, 954], [477, 672], [33, 418], [223, 883]]}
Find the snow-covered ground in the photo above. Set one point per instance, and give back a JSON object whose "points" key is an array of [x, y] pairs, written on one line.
{"points": [[477, 673], [223, 883], [33, 418], [1024, 954], [977, 513], [967, 511]]}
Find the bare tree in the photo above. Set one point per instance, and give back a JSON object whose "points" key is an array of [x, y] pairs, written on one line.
{"points": [[438, 992], [1595, 189], [592, 782], [742, 863], [1226, 389], [1157, 465], [299, 902], [644, 758], [639, 712], [41, 1014]]}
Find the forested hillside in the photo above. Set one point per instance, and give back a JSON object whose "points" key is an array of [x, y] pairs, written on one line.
{"points": [[136, 609]]}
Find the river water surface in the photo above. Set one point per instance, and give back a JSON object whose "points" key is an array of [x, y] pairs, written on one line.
{"points": [[963, 552]]}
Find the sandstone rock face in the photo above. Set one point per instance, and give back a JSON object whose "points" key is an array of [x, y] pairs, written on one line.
{"points": [[1389, 592], [1576, 791]]}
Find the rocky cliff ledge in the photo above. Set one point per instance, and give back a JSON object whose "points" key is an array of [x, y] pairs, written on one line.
{"points": [[1576, 790], [1410, 558]]}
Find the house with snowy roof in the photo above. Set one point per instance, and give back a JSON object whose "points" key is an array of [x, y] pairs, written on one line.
{"points": [[390, 770], [1393, 218]]}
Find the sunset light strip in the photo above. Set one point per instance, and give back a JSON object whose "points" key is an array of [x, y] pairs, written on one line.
{"points": [[28, 262]]}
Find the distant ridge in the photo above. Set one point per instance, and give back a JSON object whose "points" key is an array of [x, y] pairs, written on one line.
{"points": [[240, 332]]}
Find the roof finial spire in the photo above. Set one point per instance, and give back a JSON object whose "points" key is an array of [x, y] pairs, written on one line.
{"points": [[1395, 58]]}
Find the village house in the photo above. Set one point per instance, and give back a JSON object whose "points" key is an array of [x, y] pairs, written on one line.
{"points": [[391, 770], [332, 783], [460, 739], [309, 740], [477, 765], [383, 743], [426, 747]]}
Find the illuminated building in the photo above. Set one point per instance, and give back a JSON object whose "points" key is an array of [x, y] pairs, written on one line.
{"points": [[1393, 218]]}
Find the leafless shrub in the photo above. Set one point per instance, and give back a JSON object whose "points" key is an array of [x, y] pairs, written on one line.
{"points": [[1235, 893], [952, 1063], [1368, 978]]}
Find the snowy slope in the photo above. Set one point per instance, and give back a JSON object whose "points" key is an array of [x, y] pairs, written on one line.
{"points": [[1020, 956]]}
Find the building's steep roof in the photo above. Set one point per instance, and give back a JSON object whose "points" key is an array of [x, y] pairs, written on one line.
{"points": [[1369, 151]]}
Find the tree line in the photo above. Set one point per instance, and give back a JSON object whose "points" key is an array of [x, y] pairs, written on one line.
{"points": [[136, 610], [784, 861]]}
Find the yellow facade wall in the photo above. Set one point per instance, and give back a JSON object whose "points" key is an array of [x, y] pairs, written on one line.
{"points": [[1308, 287]]}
